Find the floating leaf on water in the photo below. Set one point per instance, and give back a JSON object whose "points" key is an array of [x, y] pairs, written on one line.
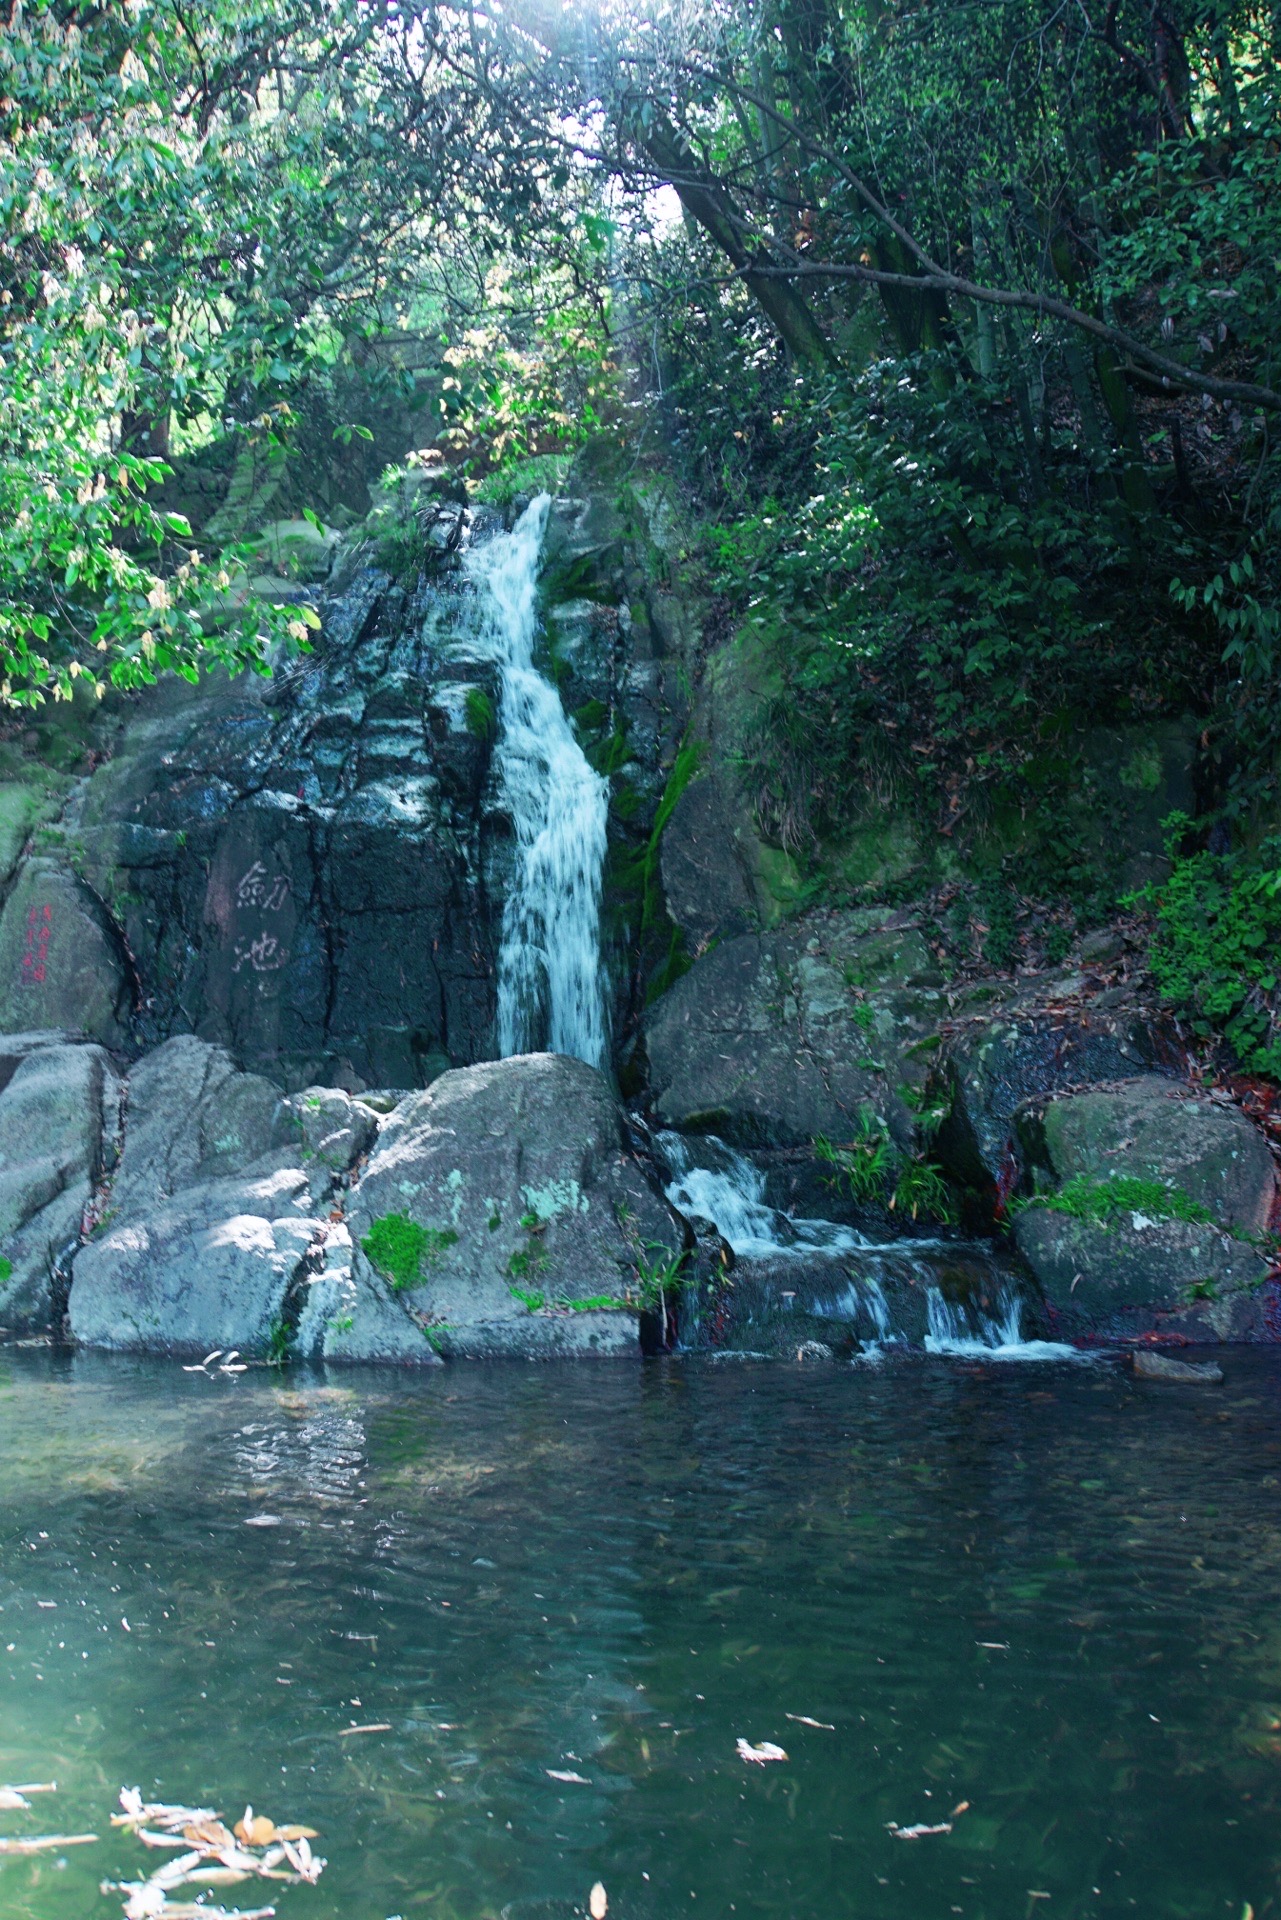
{"points": [[804, 1720], [264, 1520], [206, 1833], [573, 1779], [298, 1833], [762, 1754], [11, 1800], [375, 1726], [255, 1829], [598, 1902], [918, 1832], [962, 1806]]}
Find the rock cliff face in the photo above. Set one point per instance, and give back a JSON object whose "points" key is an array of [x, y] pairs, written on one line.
{"points": [[309, 870]]}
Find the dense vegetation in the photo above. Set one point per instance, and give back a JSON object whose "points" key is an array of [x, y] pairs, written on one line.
{"points": [[957, 323]]}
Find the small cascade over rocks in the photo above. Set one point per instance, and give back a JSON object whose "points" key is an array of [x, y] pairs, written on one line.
{"points": [[809, 1284], [549, 966]]}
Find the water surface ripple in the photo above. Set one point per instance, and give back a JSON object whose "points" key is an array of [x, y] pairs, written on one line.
{"points": [[1048, 1592]]}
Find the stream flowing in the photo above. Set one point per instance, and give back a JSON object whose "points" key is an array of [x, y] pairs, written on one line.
{"points": [[555, 1598], [550, 991]]}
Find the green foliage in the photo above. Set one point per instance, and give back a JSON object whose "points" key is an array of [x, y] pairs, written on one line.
{"points": [[279, 1342], [863, 1167], [400, 1248], [1216, 950], [6, 1267], [921, 1189], [522, 475], [659, 1272], [532, 1300], [479, 715], [1104, 1202]]}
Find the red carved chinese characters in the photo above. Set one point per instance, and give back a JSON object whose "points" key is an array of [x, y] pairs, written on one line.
{"points": [[36, 953]]}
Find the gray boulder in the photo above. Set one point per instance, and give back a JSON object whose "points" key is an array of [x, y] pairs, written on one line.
{"points": [[219, 1211], [516, 1203], [1002, 1058], [773, 1038], [1146, 1267], [213, 1267], [61, 962], [59, 1111], [353, 1315]]}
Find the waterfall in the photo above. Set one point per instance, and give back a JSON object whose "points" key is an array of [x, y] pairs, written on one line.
{"points": [[550, 992], [731, 1195]]}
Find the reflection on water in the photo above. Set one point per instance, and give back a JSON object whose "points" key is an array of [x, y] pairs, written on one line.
{"points": [[1048, 1592]]}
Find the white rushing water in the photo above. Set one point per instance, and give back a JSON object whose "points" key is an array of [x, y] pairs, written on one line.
{"points": [[731, 1195], [711, 1180], [550, 991]]}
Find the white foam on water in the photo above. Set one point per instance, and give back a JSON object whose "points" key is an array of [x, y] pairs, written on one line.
{"points": [[952, 1331], [732, 1197], [550, 989]]}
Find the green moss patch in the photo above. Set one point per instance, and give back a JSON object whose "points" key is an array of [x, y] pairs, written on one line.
{"points": [[400, 1249], [1104, 1202]]}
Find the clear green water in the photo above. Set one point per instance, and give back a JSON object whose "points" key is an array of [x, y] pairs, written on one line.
{"points": [[617, 1572]]}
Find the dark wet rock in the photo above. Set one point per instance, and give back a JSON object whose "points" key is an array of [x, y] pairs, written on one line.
{"points": [[59, 1111], [1159, 1366], [707, 873], [773, 1038], [62, 961], [1139, 1274], [519, 1172], [1142, 1270], [1020, 1054]]}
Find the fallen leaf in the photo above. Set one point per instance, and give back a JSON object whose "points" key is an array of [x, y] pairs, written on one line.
{"points": [[11, 1800], [598, 1902], [573, 1779], [962, 1806], [918, 1832], [297, 1833], [803, 1720], [375, 1726], [766, 1751], [44, 1842]]}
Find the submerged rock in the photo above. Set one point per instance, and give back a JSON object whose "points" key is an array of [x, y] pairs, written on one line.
{"points": [[1159, 1366], [520, 1221]]}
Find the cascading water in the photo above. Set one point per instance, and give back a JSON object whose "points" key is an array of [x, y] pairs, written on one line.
{"points": [[713, 1182], [550, 991]]}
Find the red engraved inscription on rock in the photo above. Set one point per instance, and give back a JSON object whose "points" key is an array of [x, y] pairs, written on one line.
{"points": [[36, 952]]}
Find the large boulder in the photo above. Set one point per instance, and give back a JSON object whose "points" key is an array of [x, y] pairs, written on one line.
{"points": [[220, 1229], [1150, 1206], [59, 1111], [505, 1204], [1001, 1060], [771, 1039]]}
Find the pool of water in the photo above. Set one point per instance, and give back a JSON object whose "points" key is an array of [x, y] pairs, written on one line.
{"points": [[1050, 1591]]}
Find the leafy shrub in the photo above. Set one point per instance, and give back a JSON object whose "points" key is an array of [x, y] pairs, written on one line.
{"points": [[921, 1189], [540, 473], [1216, 951], [399, 1248]]}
